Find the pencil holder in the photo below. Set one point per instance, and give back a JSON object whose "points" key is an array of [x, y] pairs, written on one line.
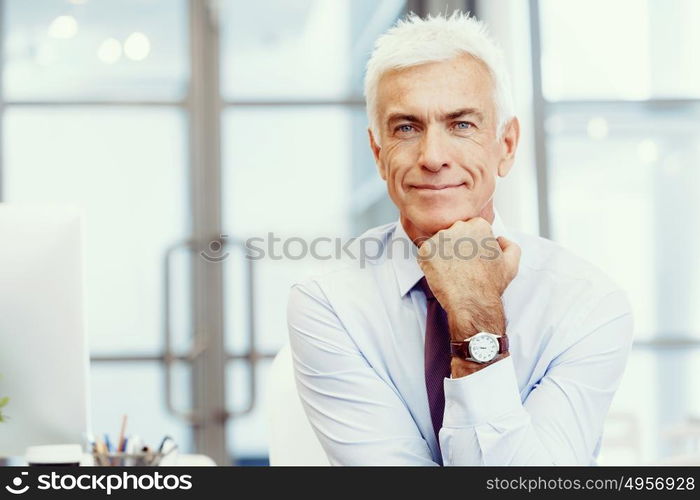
{"points": [[121, 459]]}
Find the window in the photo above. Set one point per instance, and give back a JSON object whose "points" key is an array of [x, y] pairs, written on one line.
{"points": [[621, 89], [294, 121], [94, 116], [120, 107]]}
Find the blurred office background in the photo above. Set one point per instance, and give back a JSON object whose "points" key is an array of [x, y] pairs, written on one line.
{"points": [[186, 126]]}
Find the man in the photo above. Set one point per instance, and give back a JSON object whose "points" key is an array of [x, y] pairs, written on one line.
{"points": [[484, 346]]}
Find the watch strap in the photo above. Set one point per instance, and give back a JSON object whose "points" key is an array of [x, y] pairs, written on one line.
{"points": [[461, 349], [503, 344]]}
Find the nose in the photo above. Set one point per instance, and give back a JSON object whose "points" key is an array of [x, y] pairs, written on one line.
{"points": [[433, 151]]}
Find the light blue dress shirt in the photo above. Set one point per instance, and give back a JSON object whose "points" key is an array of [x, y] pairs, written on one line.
{"points": [[357, 338]]}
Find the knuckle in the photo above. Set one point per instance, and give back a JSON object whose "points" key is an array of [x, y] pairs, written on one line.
{"points": [[457, 227], [480, 222], [426, 248], [516, 249]]}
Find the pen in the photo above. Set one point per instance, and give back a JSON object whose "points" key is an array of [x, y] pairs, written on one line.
{"points": [[123, 460], [120, 442], [108, 445]]}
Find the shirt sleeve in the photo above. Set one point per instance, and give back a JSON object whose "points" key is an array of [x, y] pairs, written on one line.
{"points": [[358, 417], [561, 420]]}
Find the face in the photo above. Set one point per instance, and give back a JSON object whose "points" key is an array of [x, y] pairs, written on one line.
{"points": [[438, 148]]}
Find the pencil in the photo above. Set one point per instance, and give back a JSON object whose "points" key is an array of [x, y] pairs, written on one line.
{"points": [[101, 452], [120, 443]]}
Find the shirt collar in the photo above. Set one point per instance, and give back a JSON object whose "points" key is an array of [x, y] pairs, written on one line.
{"points": [[406, 267]]}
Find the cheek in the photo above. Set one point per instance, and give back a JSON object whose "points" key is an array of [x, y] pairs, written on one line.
{"points": [[480, 162], [398, 161]]}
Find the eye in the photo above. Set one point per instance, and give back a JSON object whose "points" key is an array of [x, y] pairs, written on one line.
{"points": [[464, 125], [405, 131]]}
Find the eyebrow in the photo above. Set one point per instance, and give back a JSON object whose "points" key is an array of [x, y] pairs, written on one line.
{"points": [[393, 117]]}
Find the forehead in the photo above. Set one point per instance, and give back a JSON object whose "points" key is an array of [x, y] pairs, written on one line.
{"points": [[463, 81]]}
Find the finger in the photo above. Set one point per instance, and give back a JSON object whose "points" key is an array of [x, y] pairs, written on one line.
{"points": [[511, 251], [508, 247]]}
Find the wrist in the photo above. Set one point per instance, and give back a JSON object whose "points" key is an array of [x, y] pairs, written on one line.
{"points": [[473, 354], [472, 317], [462, 367]]}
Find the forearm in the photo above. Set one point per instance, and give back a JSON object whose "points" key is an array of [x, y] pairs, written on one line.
{"points": [[472, 316], [485, 423], [559, 421], [521, 446]]}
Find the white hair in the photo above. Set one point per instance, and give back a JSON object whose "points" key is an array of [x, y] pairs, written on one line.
{"points": [[413, 41]]}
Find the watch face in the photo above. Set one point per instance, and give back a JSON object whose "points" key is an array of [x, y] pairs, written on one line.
{"points": [[483, 347]]}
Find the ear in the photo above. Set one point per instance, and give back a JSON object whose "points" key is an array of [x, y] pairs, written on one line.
{"points": [[509, 144], [376, 149]]}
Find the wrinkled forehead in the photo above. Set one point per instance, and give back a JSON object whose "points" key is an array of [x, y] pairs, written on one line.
{"points": [[437, 88]]}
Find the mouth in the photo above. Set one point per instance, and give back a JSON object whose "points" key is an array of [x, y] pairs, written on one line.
{"points": [[437, 187]]}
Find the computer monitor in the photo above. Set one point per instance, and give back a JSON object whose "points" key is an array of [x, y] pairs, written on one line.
{"points": [[43, 350]]}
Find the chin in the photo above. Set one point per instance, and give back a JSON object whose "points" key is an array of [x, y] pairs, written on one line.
{"points": [[432, 221]]}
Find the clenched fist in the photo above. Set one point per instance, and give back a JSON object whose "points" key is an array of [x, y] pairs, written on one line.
{"points": [[468, 269]]}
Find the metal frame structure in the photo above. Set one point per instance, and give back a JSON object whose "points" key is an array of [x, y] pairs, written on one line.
{"points": [[425, 7], [538, 113], [209, 365]]}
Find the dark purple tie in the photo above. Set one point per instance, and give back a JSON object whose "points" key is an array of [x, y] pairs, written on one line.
{"points": [[437, 356]]}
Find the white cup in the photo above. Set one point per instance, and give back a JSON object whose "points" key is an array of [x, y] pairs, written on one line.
{"points": [[54, 455]]}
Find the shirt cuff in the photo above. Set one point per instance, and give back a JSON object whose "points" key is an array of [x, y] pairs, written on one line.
{"points": [[482, 396]]}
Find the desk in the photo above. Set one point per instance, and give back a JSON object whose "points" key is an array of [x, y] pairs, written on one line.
{"points": [[178, 460]]}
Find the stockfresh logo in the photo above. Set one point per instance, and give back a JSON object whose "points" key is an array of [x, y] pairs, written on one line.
{"points": [[16, 488]]}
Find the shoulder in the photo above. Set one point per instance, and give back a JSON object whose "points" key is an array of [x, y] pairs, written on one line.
{"points": [[559, 267], [576, 293], [352, 270]]}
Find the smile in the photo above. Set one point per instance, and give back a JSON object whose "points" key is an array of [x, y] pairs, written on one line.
{"points": [[437, 187]]}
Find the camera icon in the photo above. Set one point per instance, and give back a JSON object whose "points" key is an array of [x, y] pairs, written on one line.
{"points": [[214, 252], [16, 489]]}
